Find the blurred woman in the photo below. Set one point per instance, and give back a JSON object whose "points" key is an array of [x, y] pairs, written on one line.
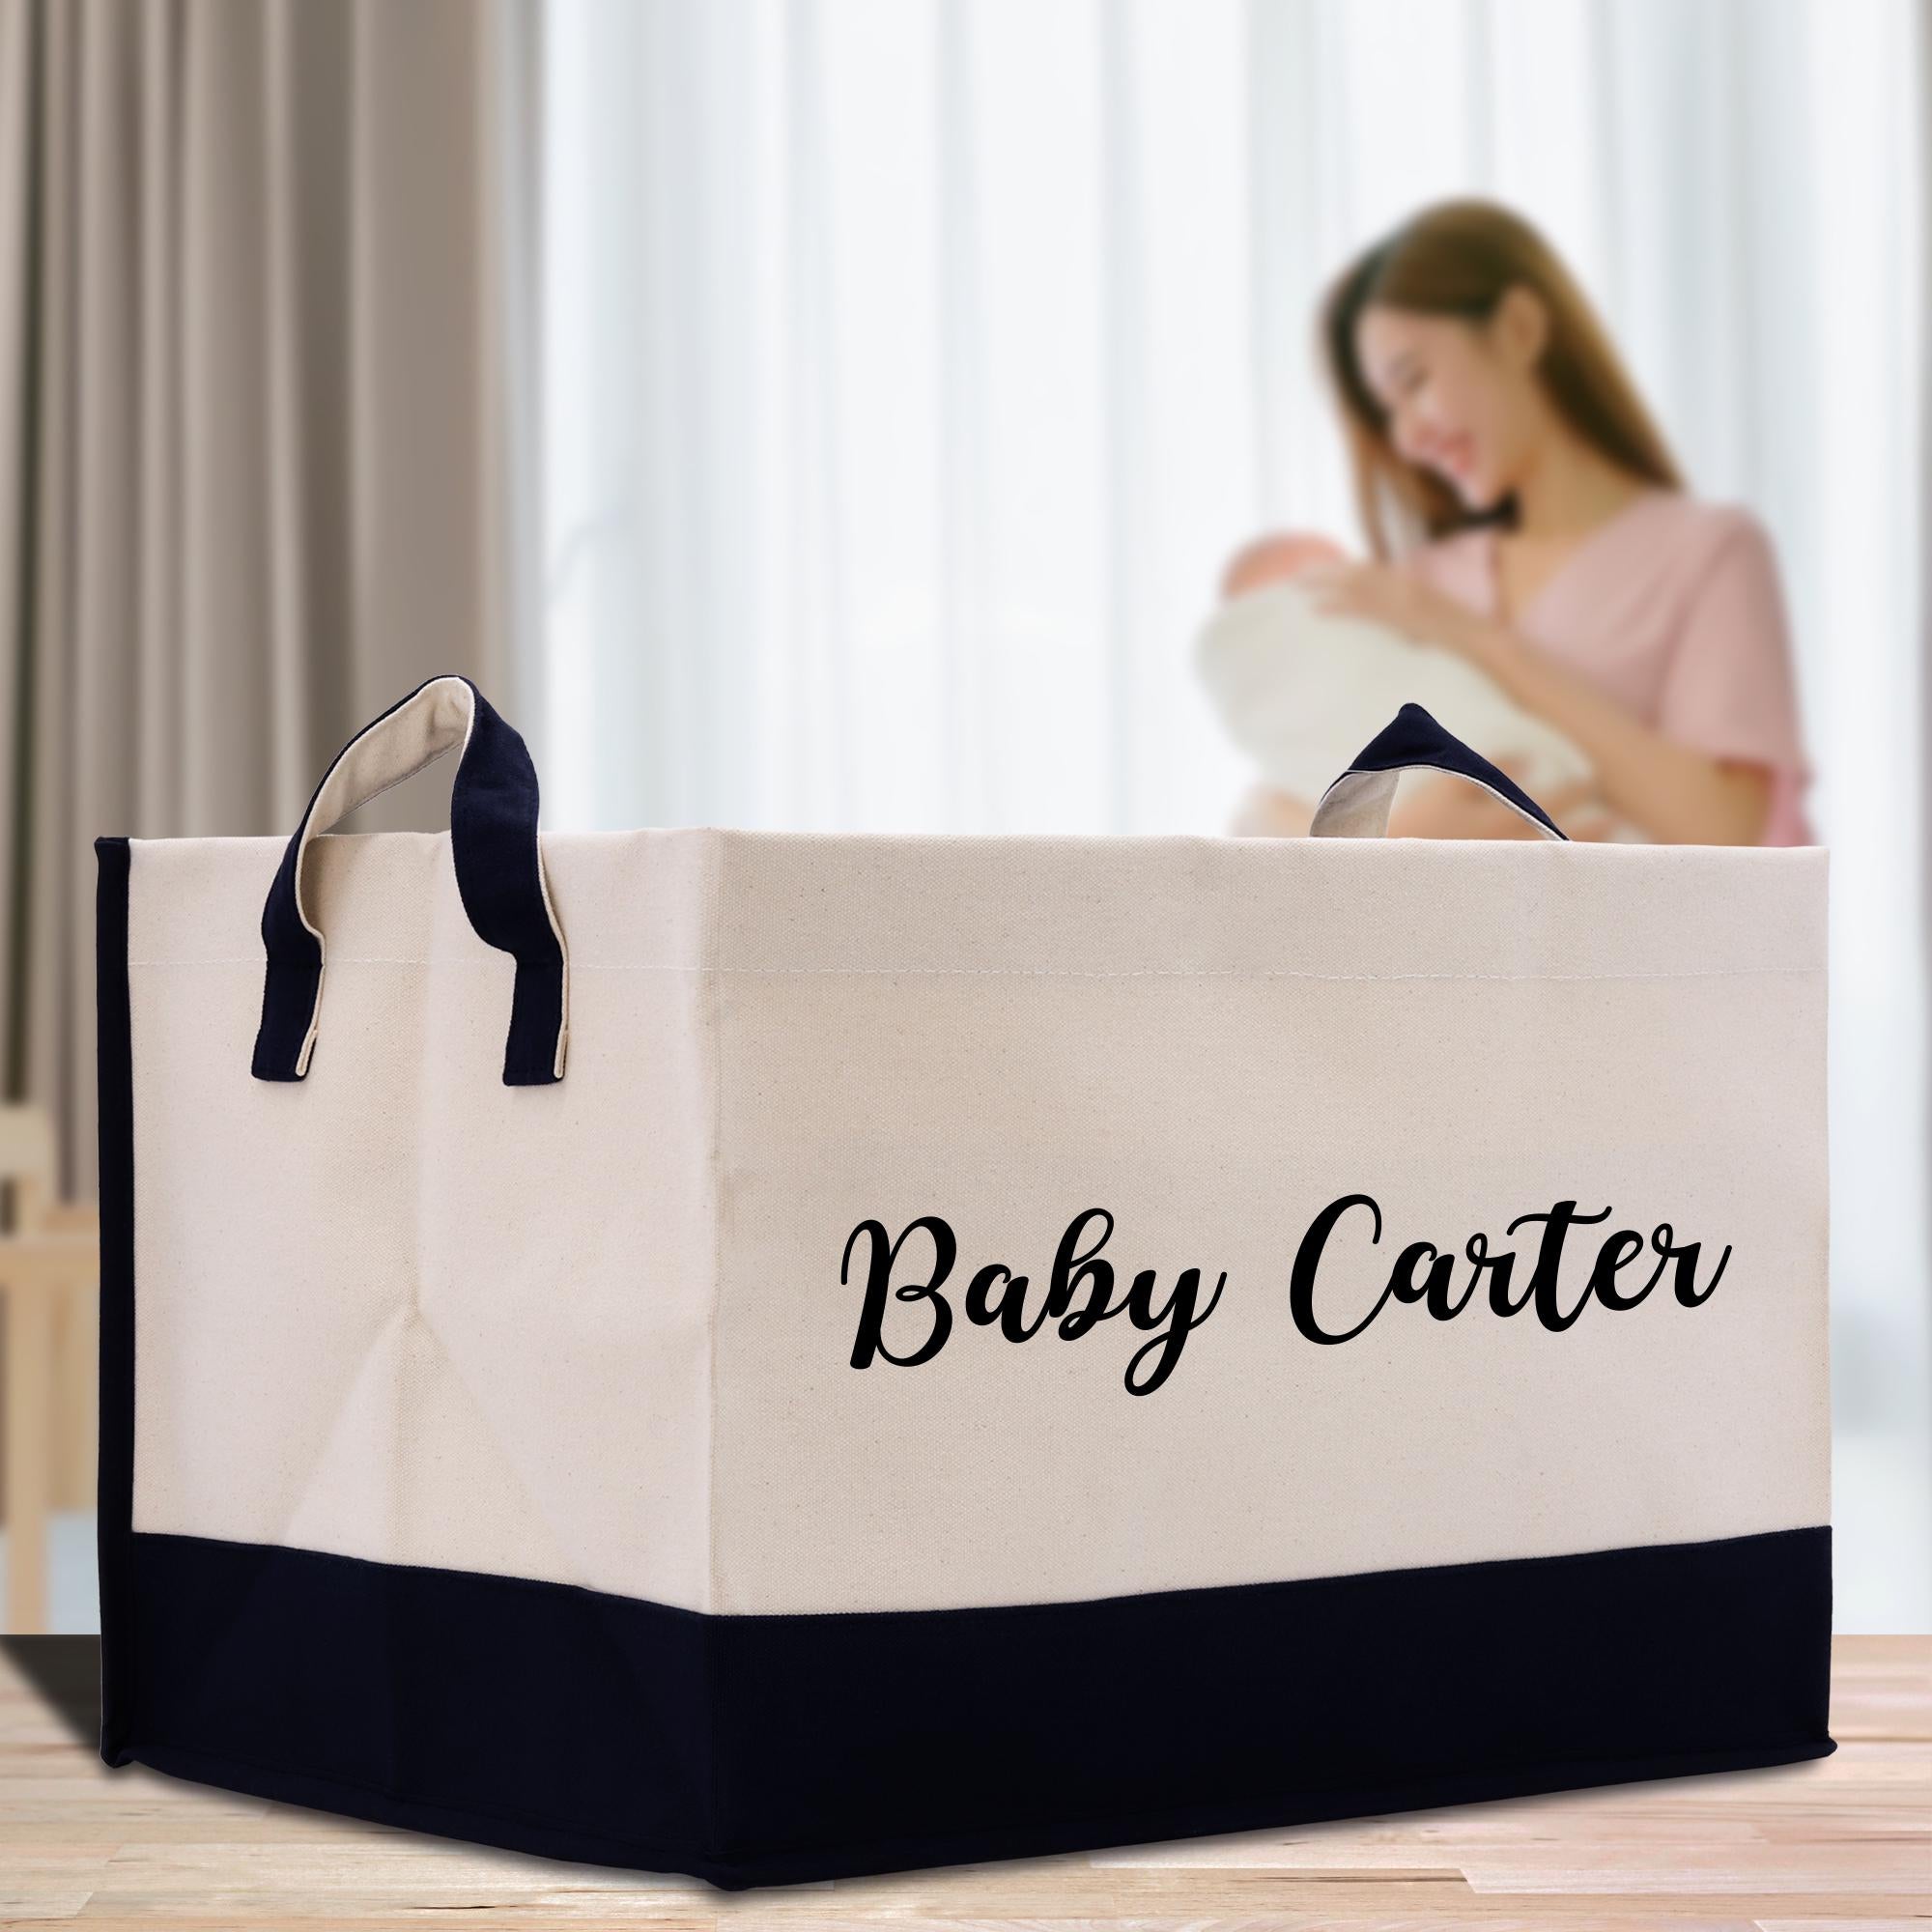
{"points": [[1520, 507]]}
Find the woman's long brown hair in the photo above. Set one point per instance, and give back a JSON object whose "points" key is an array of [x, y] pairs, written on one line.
{"points": [[1459, 258]]}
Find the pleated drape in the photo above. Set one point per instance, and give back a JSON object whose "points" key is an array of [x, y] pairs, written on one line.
{"points": [[257, 285]]}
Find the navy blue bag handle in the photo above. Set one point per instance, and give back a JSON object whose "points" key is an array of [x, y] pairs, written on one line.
{"points": [[1356, 806], [492, 836]]}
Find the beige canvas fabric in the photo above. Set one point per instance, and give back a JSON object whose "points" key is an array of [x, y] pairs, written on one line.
{"points": [[596, 1332]]}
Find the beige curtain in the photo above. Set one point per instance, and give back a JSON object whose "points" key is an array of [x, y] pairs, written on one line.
{"points": [[260, 274]]}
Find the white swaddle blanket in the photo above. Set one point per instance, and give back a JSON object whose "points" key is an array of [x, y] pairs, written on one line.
{"points": [[1301, 691]]}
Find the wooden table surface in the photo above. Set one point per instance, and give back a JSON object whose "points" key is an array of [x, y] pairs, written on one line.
{"points": [[1845, 1840]]}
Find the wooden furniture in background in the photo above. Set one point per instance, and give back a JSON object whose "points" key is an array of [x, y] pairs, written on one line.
{"points": [[50, 1307], [1840, 1842]]}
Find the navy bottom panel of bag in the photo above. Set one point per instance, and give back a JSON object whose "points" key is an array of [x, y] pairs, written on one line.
{"points": [[767, 1749]]}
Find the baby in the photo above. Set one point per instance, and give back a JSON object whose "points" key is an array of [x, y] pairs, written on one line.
{"points": [[1277, 559], [1302, 690]]}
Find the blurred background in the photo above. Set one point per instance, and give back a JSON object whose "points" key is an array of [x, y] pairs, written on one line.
{"points": [[839, 415]]}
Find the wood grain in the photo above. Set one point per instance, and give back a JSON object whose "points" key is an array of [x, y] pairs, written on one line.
{"points": [[1845, 1841]]}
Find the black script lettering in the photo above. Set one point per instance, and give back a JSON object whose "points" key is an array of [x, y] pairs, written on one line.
{"points": [[1612, 1256], [1009, 1310], [1685, 1287], [1142, 1313], [1435, 1289], [1499, 1267], [1084, 1289], [1308, 1258], [870, 1340], [1424, 1273], [1557, 1223], [996, 1295], [1070, 1269]]}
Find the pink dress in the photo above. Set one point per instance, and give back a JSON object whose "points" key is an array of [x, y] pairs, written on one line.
{"points": [[1672, 607]]}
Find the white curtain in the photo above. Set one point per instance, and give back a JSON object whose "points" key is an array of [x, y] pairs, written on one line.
{"points": [[910, 367]]}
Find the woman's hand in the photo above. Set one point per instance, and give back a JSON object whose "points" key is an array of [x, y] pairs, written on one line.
{"points": [[1439, 806], [1265, 812], [1382, 594], [1445, 807]]}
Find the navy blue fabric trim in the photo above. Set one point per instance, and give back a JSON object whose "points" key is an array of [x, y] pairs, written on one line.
{"points": [[493, 831], [114, 1488], [492, 836], [1413, 737], [773, 1750]]}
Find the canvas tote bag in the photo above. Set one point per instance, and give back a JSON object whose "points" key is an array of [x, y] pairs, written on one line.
{"points": [[774, 1357]]}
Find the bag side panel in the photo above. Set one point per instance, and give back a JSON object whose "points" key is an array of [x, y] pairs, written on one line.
{"points": [[399, 1311], [1213, 1043]]}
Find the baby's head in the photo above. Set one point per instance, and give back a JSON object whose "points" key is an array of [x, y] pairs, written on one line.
{"points": [[1274, 559]]}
